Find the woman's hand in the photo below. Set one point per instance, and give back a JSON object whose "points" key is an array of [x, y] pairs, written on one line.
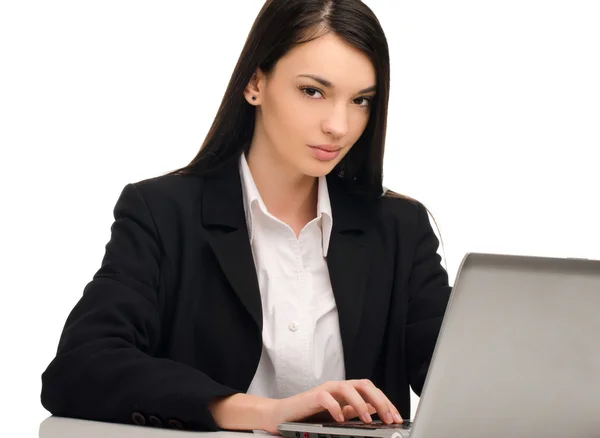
{"points": [[343, 400]]}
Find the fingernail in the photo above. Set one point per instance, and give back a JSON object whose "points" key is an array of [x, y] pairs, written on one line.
{"points": [[397, 417], [366, 418], [388, 417], [340, 418]]}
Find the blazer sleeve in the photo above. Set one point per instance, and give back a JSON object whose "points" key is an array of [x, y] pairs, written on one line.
{"points": [[104, 368], [429, 293]]}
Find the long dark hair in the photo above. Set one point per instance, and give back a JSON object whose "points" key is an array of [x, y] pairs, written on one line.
{"points": [[280, 26]]}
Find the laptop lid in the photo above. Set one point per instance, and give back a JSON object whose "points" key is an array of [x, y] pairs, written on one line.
{"points": [[519, 352]]}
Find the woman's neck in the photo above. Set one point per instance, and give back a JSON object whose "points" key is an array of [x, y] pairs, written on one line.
{"points": [[288, 195]]}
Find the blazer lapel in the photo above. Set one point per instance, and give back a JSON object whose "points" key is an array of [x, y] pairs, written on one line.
{"points": [[349, 260], [224, 219]]}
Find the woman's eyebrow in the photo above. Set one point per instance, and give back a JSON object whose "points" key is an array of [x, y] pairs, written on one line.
{"points": [[328, 84]]}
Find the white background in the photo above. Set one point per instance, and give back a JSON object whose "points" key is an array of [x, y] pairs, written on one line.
{"points": [[494, 124]]}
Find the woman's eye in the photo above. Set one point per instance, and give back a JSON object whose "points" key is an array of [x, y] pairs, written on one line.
{"points": [[309, 92], [367, 100], [313, 90]]}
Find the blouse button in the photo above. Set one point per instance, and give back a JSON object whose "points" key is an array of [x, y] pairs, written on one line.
{"points": [[293, 326]]}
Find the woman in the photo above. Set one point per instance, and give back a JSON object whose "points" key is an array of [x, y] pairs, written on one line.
{"points": [[271, 279]]}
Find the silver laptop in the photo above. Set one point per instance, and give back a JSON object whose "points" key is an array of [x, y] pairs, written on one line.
{"points": [[518, 356]]}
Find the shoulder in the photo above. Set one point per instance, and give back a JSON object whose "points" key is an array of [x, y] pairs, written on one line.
{"points": [[400, 222], [169, 187], [169, 199], [374, 210], [395, 210]]}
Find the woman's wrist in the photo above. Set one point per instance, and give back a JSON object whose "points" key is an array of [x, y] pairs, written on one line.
{"points": [[243, 412]]}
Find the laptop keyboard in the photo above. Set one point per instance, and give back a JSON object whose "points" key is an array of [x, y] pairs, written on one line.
{"points": [[374, 425]]}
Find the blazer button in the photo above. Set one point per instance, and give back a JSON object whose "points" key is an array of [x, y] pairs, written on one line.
{"points": [[155, 421], [138, 419], [175, 424]]}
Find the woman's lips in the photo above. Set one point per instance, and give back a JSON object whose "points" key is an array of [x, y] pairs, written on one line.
{"points": [[325, 153]]}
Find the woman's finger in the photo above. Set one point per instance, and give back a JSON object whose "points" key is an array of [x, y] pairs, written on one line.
{"points": [[327, 401], [350, 413], [385, 408], [346, 392]]}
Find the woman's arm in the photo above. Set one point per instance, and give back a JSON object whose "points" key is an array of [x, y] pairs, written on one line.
{"points": [[104, 368], [429, 292]]}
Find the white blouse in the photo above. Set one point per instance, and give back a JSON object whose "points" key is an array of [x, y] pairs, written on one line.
{"points": [[302, 345]]}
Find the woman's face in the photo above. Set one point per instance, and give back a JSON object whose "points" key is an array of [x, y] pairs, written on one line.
{"points": [[294, 113]]}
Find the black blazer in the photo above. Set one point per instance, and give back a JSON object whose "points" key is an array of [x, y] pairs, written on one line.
{"points": [[172, 318]]}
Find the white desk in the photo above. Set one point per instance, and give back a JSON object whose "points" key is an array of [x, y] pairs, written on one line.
{"points": [[58, 427]]}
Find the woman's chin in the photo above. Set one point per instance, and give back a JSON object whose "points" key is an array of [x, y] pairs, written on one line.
{"points": [[316, 168]]}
